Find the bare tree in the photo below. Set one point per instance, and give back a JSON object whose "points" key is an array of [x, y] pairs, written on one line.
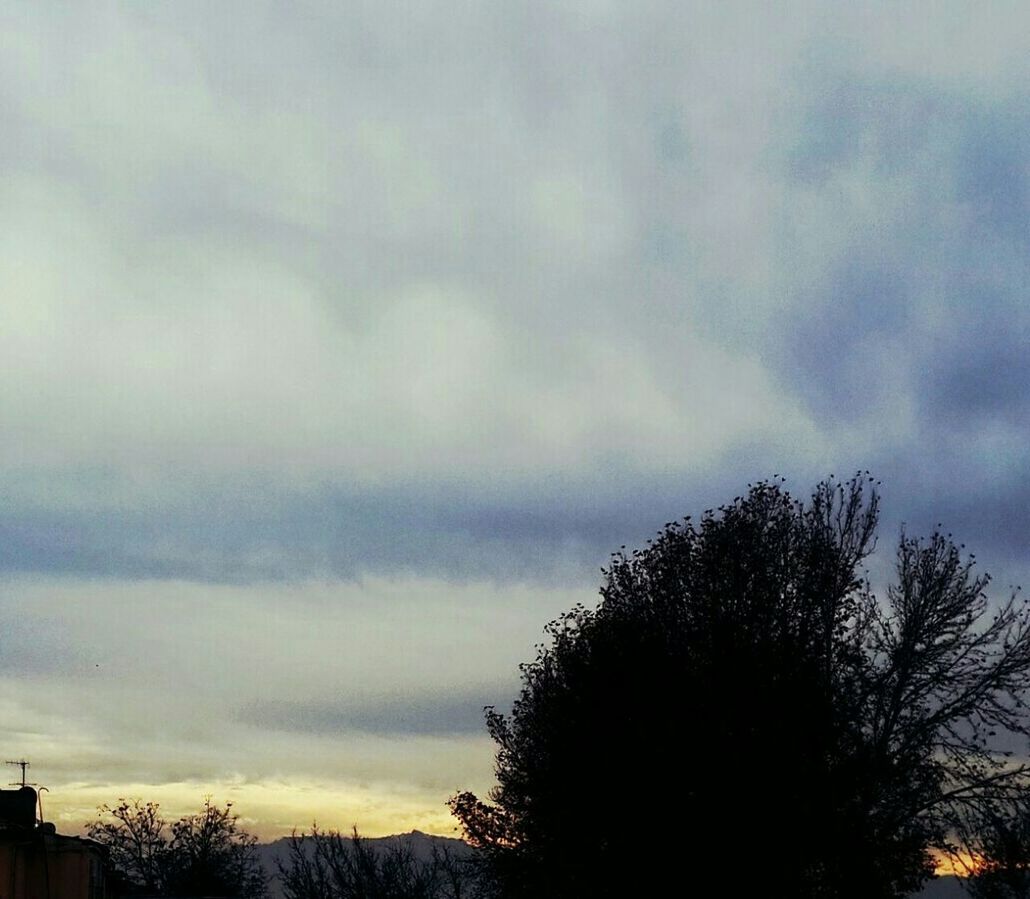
{"points": [[947, 693], [134, 834], [207, 853], [328, 865]]}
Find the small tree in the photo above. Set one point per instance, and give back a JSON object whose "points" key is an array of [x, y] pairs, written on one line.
{"points": [[210, 855], [205, 854], [134, 834], [740, 678]]}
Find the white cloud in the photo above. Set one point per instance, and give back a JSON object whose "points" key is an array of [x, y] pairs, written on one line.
{"points": [[207, 274]]}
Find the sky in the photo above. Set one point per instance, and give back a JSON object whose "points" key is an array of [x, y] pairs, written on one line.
{"points": [[342, 343]]}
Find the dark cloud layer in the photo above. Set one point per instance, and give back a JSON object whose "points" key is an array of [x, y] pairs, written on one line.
{"points": [[912, 331], [450, 715], [544, 533]]}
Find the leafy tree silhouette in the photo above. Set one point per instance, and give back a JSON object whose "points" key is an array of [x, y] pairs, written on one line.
{"points": [[741, 703]]}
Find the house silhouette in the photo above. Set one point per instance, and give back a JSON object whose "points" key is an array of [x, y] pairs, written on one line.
{"points": [[36, 862]]}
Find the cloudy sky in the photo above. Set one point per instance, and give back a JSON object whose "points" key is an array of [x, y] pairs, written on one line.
{"points": [[342, 342]]}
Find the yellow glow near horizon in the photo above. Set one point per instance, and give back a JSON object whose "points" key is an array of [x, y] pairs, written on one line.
{"points": [[267, 809], [958, 866], [273, 809]]}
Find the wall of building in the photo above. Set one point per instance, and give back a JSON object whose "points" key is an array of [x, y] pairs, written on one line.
{"points": [[35, 865]]}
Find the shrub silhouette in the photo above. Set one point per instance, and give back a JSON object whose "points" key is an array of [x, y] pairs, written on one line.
{"points": [[328, 865]]}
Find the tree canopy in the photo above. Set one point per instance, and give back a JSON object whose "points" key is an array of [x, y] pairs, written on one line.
{"points": [[741, 678]]}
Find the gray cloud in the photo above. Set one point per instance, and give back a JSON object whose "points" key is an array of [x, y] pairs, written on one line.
{"points": [[135, 681], [435, 717], [491, 293], [252, 530], [905, 332]]}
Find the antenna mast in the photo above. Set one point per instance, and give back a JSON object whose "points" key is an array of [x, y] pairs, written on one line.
{"points": [[21, 763]]}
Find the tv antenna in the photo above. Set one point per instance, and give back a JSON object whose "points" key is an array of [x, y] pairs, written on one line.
{"points": [[21, 763]]}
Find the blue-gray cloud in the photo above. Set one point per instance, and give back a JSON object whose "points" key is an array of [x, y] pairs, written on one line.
{"points": [[908, 330], [560, 531], [602, 289], [416, 716]]}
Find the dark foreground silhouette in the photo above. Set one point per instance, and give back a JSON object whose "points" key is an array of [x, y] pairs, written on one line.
{"points": [[331, 865], [742, 698]]}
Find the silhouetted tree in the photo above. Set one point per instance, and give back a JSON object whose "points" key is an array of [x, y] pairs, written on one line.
{"points": [[205, 854], [740, 679], [134, 834], [327, 865], [210, 855]]}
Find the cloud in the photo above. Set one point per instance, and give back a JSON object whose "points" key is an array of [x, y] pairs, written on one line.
{"points": [[557, 530], [905, 322], [313, 310], [211, 274], [188, 638], [356, 689], [435, 717], [284, 284]]}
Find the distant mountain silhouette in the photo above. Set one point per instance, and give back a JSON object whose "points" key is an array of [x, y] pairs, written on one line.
{"points": [[420, 844], [942, 888]]}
